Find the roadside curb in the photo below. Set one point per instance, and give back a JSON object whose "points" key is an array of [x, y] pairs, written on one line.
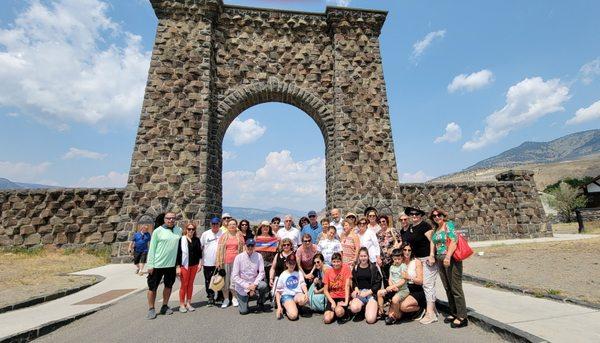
{"points": [[507, 332], [49, 297], [47, 328], [487, 282]]}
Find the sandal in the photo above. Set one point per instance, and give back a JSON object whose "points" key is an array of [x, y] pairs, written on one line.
{"points": [[449, 319]]}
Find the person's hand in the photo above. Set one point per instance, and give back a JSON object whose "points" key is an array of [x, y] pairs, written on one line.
{"points": [[332, 304], [271, 283], [355, 294], [251, 293], [363, 294], [431, 260], [178, 271], [344, 303], [309, 276], [130, 251], [317, 280], [447, 261], [218, 266], [252, 287], [304, 298], [200, 267], [379, 262], [405, 275], [279, 313], [150, 271]]}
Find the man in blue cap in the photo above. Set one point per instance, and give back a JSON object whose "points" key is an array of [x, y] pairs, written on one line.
{"points": [[313, 228], [247, 276], [210, 241]]}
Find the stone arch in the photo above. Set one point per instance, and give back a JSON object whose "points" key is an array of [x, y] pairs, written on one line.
{"points": [[237, 100]]}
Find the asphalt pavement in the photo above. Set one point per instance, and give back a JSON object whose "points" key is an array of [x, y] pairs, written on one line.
{"points": [[125, 322]]}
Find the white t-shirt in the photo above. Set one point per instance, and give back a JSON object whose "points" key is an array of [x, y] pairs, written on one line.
{"points": [[369, 240], [290, 283], [209, 241], [327, 247], [292, 233], [339, 229], [375, 228]]}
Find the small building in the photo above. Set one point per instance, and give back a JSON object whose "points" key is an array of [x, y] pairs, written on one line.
{"points": [[591, 191]]}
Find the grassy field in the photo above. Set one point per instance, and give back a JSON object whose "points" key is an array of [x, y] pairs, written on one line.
{"points": [[566, 268], [37, 272]]}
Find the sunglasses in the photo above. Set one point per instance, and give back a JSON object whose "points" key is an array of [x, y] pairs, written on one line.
{"points": [[244, 224], [362, 223], [318, 261], [191, 228], [306, 241], [286, 245], [406, 249], [404, 219], [438, 215], [372, 215], [170, 218], [383, 221]]}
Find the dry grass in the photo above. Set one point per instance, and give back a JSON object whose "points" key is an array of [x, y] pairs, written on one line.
{"points": [[32, 273], [566, 268]]}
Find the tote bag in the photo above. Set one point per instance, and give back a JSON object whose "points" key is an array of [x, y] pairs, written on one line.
{"points": [[463, 250]]}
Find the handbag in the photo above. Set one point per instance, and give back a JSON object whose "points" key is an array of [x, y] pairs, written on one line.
{"points": [[217, 282], [463, 250]]}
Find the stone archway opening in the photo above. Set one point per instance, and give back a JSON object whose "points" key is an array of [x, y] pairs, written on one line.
{"points": [[281, 168]]}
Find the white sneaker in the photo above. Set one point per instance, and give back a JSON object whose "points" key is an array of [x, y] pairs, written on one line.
{"points": [[190, 308], [225, 303], [428, 319], [234, 302], [182, 309]]}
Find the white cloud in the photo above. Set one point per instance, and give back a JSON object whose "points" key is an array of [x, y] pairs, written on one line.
{"points": [[21, 171], [245, 132], [81, 153], [12, 114], [229, 155], [280, 182], [586, 114], [471, 82], [526, 102], [110, 180], [418, 176], [420, 46], [452, 134], [341, 3], [69, 62], [589, 71]]}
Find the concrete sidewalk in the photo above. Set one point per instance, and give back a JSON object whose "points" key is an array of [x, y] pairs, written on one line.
{"points": [[547, 319], [120, 281], [556, 238]]}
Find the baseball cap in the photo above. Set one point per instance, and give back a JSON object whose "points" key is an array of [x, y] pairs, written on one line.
{"points": [[250, 242], [215, 220], [226, 215], [351, 214], [265, 223], [312, 213]]}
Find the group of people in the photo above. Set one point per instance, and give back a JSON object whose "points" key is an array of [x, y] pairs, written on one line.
{"points": [[341, 267]]}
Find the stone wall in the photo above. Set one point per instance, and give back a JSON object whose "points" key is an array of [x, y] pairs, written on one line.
{"points": [[60, 216], [508, 208]]}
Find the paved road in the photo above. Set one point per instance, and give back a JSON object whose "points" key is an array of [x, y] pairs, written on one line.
{"points": [[125, 322]]}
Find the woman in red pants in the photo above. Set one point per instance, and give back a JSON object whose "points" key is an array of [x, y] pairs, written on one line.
{"points": [[188, 264]]}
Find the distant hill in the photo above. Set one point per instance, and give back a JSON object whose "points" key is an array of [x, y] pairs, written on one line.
{"points": [[8, 184], [575, 155], [567, 148]]}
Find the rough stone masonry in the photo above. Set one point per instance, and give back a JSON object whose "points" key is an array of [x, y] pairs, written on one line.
{"points": [[210, 62]]}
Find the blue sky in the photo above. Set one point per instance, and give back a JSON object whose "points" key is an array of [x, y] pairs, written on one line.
{"points": [[465, 80]]}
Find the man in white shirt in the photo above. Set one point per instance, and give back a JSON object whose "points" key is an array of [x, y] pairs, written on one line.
{"points": [[336, 220], [209, 241], [290, 232]]}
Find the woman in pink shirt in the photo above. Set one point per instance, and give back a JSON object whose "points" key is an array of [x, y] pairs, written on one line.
{"points": [[350, 244], [230, 245]]}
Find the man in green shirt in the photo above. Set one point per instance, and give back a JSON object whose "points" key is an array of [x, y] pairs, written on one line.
{"points": [[161, 262]]}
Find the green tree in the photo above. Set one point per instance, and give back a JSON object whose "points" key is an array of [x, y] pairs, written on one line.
{"points": [[566, 200]]}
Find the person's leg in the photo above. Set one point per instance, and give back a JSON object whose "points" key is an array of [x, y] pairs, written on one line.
{"points": [[355, 305], [291, 310], [142, 262], [190, 286], [340, 311], [409, 305], [153, 281], [263, 291], [227, 283], [394, 311], [457, 289], [185, 276], [371, 311], [328, 317], [208, 272], [429, 276], [242, 303], [445, 273], [169, 279], [300, 299], [380, 299]]}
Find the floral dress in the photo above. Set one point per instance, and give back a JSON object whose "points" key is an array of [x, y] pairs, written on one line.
{"points": [[440, 237]]}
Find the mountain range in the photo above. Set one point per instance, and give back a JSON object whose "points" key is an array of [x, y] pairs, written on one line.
{"points": [[7, 184]]}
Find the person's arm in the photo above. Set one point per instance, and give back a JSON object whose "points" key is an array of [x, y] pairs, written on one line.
{"points": [[347, 291], [261, 270], [431, 258], [356, 247], [418, 280], [151, 253], [179, 253], [377, 281], [272, 271], [130, 248], [235, 274], [220, 251], [326, 291], [450, 233]]}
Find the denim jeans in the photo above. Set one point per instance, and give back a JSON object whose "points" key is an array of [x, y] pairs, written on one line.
{"points": [[243, 300]]}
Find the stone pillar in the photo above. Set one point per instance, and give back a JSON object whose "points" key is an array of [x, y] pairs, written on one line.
{"points": [[171, 156], [364, 154]]}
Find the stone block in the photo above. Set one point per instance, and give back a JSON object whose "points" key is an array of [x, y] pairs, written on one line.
{"points": [[108, 237], [96, 237], [26, 230], [33, 239]]}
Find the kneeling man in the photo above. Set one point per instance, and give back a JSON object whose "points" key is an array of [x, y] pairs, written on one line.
{"points": [[247, 276]]}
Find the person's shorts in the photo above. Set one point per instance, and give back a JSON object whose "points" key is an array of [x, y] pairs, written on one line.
{"points": [[169, 275], [364, 300], [402, 294], [286, 297], [336, 300], [139, 257]]}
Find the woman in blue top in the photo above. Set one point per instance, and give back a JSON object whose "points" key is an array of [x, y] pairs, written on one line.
{"points": [[444, 238], [139, 247]]}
